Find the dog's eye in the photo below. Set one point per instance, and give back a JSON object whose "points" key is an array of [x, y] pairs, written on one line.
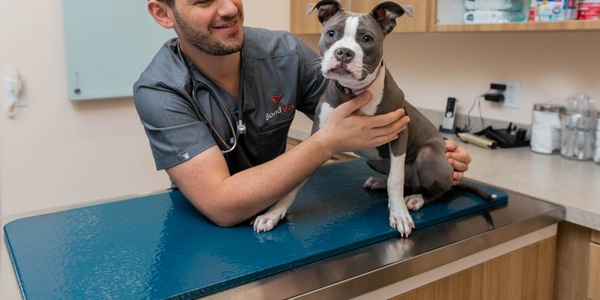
{"points": [[330, 33], [367, 39]]}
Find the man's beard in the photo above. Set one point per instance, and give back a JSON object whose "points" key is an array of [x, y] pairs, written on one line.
{"points": [[204, 42]]}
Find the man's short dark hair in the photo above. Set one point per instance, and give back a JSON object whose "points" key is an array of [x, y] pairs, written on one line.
{"points": [[169, 3]]}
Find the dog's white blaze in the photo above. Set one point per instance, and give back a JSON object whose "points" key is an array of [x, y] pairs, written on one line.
{"points": [[326, 110], [349, 40]]}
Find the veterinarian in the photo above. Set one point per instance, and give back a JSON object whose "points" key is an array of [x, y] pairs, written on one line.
{"points": [[217, 103]]}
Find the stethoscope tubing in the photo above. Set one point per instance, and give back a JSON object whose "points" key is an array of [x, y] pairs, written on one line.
{"points": [[206, 121], [241, 127]]}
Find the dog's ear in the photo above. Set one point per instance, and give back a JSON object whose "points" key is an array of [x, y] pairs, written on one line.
{"points": [[327, 9], [385, 14]]}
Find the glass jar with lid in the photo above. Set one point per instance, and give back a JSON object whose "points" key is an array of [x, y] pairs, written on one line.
{"points": [[546, 127]]}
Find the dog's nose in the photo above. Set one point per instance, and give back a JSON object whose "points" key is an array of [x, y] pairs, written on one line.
{"points": [[344, 55]]}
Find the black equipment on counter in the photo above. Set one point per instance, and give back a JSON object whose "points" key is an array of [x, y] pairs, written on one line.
{"points": [[509, 137]]}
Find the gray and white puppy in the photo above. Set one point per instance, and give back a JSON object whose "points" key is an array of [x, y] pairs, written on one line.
{"points": [[351, 47]]}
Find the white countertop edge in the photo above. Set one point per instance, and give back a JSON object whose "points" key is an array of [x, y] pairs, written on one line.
{"points": [[582, 217]]}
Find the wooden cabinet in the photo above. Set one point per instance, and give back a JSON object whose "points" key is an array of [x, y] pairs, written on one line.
{"points": [[517, 26], [577, 263], [594, 267], [526, 273], [425, 19], [596, 237], [301, 23], [565, 267], [418, 23]]}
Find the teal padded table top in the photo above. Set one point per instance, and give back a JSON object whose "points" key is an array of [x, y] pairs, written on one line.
{"points": [[158, 246]]}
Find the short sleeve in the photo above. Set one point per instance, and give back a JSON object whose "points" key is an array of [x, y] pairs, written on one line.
{"points": [[173, 129]]}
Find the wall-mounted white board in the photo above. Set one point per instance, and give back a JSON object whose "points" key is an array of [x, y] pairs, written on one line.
{"points": [[108, 44]]}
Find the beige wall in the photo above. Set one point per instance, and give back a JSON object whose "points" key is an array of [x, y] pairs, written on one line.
{"points": [[551, 66], [56, 152]]}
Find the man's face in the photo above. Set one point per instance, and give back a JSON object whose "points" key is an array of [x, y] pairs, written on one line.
{"points": [[211, 26]]}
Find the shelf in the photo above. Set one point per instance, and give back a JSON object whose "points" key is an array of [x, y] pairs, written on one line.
{"points": [[574, 25], [521, 26]]}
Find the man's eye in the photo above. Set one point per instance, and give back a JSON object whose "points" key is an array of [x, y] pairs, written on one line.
{"points": [[367, 39]]}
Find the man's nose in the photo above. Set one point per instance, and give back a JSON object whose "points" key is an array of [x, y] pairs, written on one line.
{"points": [[228, 8]]}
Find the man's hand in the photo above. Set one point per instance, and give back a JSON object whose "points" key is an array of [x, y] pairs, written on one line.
{"points": [[346, 130], [458, 158]]}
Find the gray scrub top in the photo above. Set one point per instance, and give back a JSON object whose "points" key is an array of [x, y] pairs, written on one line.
{"points": [[279, 76]]}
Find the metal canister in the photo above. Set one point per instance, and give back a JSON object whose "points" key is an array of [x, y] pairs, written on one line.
{"points": [[597, 148], [546, 127]]}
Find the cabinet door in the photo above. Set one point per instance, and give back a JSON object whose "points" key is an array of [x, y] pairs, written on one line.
{"points": [[526, 273], [596, 237], [302, 23], [418, 23], [594, 272]]}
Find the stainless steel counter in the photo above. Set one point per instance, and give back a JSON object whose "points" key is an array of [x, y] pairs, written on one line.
{"points": [[363, 270]]}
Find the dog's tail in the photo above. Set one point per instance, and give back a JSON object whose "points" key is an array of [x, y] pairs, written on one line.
{"points": [[476, 191]]}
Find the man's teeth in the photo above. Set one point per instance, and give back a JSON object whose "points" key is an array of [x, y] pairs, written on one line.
{"points": [[228, 25]]}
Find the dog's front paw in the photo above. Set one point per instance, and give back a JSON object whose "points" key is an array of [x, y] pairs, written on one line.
{"points": [[414, 202], [375, 183], [267, 222], [401, 221]]}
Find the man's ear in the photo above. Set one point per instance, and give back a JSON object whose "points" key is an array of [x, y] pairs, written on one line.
{"points": [[161, 13]]}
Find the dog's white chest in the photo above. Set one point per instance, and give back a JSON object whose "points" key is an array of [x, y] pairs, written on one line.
{"points": [[376, 90], [368, 109]]}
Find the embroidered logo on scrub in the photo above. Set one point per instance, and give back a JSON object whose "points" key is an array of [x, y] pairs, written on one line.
{"points": [[280, 109], [276, 98]]}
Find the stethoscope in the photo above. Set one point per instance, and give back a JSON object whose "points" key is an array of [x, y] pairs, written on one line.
{"points": [[241, 126]]}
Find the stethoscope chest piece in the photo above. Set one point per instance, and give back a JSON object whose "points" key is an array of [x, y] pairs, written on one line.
{"points": [[241, 127]]}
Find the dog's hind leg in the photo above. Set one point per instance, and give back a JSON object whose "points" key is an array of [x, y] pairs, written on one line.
{"points": [[429, 176], [375, 183], [380, 165], [414, 202]]}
